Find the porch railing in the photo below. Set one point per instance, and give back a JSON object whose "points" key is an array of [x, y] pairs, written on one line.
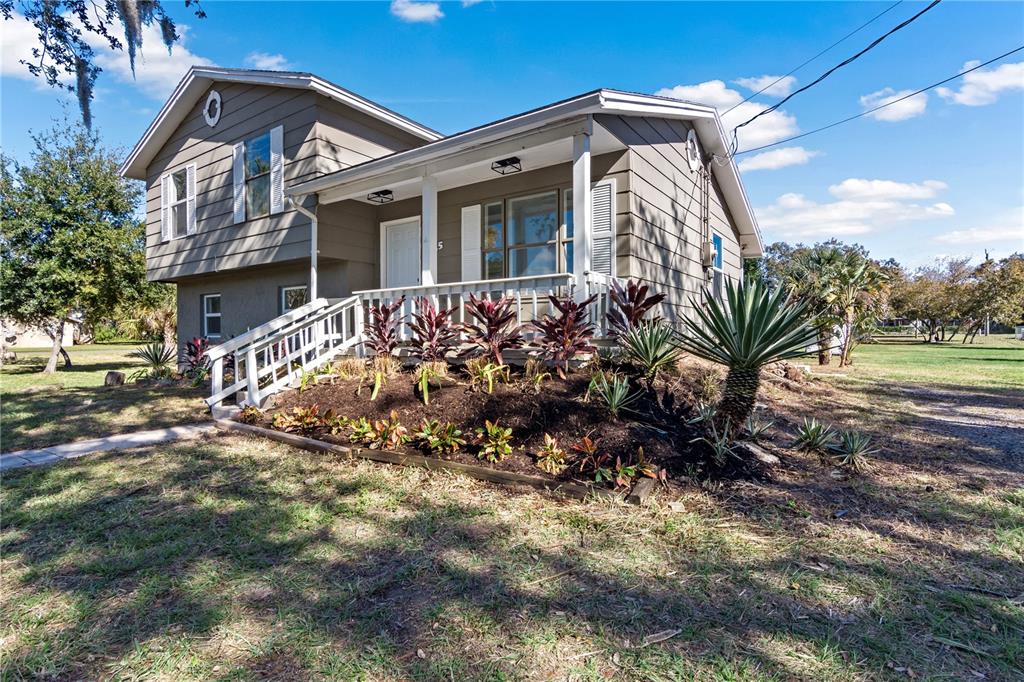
{"points": [[530, 297], [262, 360]]}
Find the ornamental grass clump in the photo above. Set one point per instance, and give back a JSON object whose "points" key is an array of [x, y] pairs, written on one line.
{"points": [[753, 327], [566, 335]]}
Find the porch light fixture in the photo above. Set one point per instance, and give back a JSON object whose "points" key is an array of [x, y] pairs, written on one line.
{"points": [[507, 166], [381, 197]]}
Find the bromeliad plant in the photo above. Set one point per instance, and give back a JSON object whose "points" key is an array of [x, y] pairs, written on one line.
{"points": [[568, 334], [496, 330], [494, 441], [433, 334], [750, 329], [631, 306]]}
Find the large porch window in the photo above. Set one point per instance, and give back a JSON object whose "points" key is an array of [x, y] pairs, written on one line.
{"points": [[529, 235]]}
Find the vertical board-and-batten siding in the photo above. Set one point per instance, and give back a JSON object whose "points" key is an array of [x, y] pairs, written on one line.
{"points": [[317, 140], [664, 223]]}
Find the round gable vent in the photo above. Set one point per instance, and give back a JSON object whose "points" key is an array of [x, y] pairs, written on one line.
{"points": [[211, 112], [692, 150]]}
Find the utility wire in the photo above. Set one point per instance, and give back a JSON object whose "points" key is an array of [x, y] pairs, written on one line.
{"points": [[856, 30], [882, 106], [874, 43]]}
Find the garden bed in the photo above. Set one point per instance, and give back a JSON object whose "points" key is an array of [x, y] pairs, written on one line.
{"points": [[559, 409]]}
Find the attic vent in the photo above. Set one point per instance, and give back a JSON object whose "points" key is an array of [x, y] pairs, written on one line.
{"points": [[692, 151], [211, 112]]}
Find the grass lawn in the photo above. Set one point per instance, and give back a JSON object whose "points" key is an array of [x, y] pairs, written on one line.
{"points": [[38, 410], [997, 362], [235, 559]]}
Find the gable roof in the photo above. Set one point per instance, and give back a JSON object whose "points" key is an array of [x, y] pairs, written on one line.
{"points": [[197, 81], [704, 118]]}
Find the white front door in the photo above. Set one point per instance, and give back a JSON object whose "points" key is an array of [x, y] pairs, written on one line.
{"points": [[402, 253]]}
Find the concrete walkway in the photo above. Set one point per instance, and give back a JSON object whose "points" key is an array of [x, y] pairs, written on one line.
{"points": [[58, 453]]}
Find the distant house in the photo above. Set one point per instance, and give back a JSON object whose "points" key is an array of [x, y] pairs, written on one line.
{"points": [[20, 336], [275, 192], [1018, 332]]}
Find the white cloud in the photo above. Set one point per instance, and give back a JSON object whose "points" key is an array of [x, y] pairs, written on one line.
{"points": [[1006, 226], [415, 12], [783, 87], [765, 130], [777, 158], [859, 189], [794, 216], [470, 3], [901, 111], [157, 71], [268, 62], [983, 86]]}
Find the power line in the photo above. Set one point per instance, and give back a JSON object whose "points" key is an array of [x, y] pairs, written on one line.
{"points": [[874, 43], [854, 31], [882, 106]]}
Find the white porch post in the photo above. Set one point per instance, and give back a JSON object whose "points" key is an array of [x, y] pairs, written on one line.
{"points": [[312, 258], [428, 233], [582, 214]]}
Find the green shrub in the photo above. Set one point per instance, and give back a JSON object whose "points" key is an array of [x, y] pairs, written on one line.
{"points": [[440, 438], [550, 457], [494, 441]]}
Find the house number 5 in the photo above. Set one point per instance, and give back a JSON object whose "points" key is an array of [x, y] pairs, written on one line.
{"points": [[440, 244]]}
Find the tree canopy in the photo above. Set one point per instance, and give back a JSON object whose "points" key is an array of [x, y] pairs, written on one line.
{"points": [[70, 240], [64, 28]]}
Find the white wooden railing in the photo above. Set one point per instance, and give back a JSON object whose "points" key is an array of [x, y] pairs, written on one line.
{"points": [[530, 297], [276, 353]]}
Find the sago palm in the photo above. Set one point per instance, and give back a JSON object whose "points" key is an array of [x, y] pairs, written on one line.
{"points": [[755, 326]]}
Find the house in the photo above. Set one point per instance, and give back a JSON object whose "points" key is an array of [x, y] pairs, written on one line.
{"points": [[277, 200]]}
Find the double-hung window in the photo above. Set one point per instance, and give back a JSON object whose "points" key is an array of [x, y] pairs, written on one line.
{"points": [[529, 235], [257, 176], [211, 315], [717, 271], [178, 203]]}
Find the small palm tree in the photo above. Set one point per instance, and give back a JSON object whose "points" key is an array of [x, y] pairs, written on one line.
{"points": [[754, 327]]}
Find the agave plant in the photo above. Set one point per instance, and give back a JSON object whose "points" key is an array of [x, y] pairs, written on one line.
{"points": [[497, 330], [157, 356], [381, 328], [567, 335], [754, 327], [814, 436], [433, 334], [615, 393], [652, 346], [631, 305], [852, 450]]}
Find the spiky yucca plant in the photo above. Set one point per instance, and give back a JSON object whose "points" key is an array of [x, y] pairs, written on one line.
{"points": [[752, 328]]}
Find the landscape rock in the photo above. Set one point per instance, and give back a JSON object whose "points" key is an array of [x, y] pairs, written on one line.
{"points": [[794, 373], [114, 379], [757, 452]]}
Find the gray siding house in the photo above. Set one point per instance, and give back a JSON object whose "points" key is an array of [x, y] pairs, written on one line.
{"points": [[270, 191]]}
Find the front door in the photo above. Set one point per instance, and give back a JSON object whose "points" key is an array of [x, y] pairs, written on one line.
{"points": [[402, 254]]}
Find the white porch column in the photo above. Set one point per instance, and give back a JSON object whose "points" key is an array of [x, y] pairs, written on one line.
{"points": [[428, 232], [582, 213], [313, 249]]}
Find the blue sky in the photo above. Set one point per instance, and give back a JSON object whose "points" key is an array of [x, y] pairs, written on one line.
{"points": [[937, 175]]}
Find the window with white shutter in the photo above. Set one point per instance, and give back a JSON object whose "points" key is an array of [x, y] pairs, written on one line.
{"points": [[178, 203], [258, 171], [602, 256]]}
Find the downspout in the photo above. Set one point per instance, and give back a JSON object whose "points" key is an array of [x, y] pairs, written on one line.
{"points": [[297, 204]]}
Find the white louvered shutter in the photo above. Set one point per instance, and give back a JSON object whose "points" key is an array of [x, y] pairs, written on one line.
{"points": [[165, 208], [470, 243], [190, 188], [277, 169], [238, 173], [602, 257]]}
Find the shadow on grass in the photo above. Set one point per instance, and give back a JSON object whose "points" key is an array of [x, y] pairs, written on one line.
{"points": [[52, 415], [343, 574]]}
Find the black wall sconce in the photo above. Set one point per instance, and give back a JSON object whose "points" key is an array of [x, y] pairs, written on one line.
{"points": [[381, 197], [507, 166]]}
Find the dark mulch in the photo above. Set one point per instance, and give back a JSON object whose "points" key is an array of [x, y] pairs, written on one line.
{"points": [[557, 409]]}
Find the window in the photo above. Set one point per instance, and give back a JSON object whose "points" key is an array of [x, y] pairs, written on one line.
{"points": [[293, 297], [178, 204], [256, 162], [523, 236], [211, 315], [717, 273]]}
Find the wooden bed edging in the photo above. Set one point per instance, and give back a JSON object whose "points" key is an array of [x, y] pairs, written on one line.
{"points": [[638, 495]]}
